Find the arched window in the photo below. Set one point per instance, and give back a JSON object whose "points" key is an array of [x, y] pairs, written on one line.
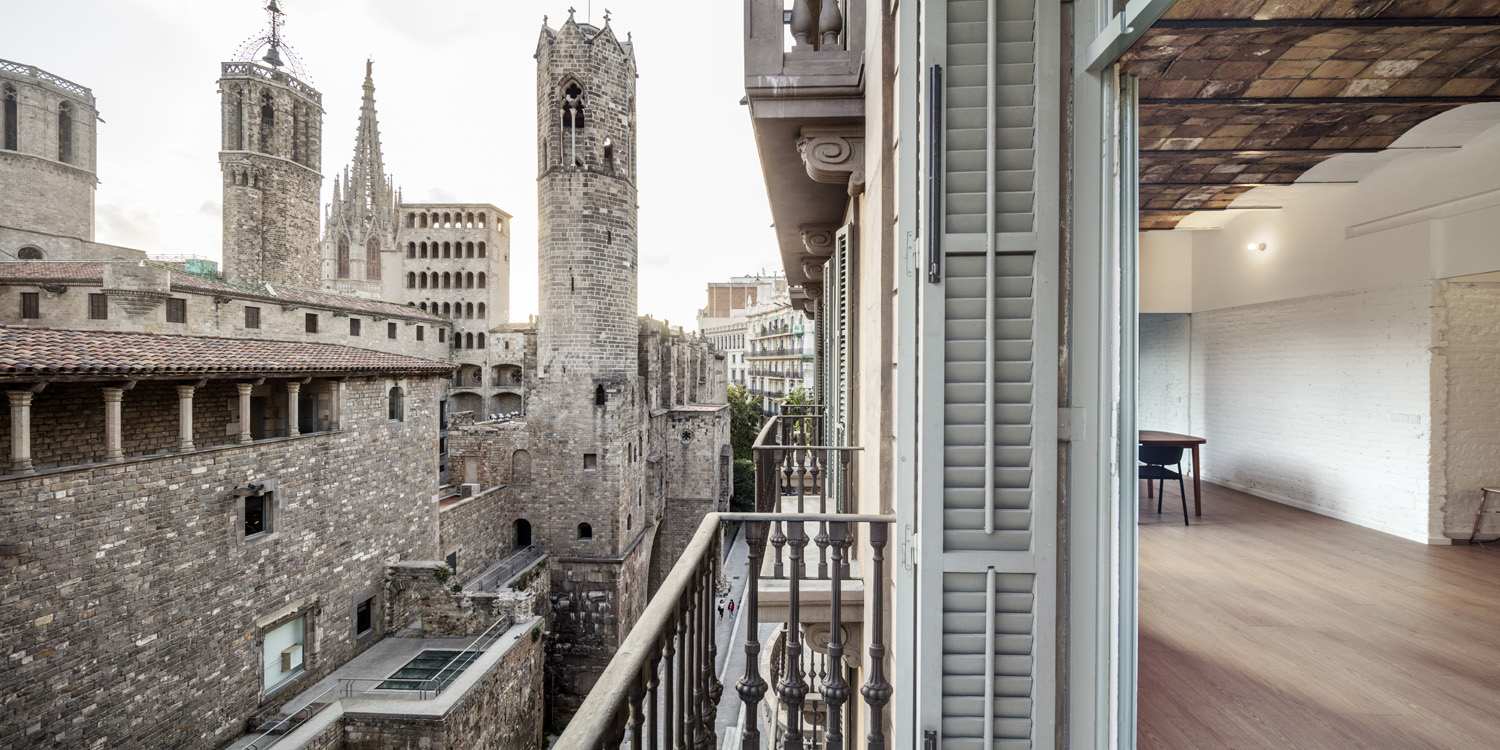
{"points": [[609, 154], [423, 306], [480, 311], [481, 279], [481, 220], [447, 250], [424, 225], [446, 310], [411, 249], [372, 259], [234, 140], [29, 253], [469, 250], [478, 341], [422, 279], [585, 532], [469, 220], [520, 467], [481, 249], [411, 220], [469, 310], [395, 407], [600, 397], [523, 530], [468, 341], [573, 106], [437, 220], [424, 249], [447, 222], [343, 260], [267, 123], [469, 280], [411, 280], [65, 132], [447, 280]]}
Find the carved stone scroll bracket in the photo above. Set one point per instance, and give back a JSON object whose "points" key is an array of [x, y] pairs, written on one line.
{"points": [[812, 268], [835, 156], [818, 239]]}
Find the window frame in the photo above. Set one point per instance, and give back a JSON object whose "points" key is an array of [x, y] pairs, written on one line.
{"points": [[252, 317], [354, 327], [31, 305], [310, 323], [98, 306]]}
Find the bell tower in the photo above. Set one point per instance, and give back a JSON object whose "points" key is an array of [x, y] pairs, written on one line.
{"points": [[271, 164], [586, 196]]}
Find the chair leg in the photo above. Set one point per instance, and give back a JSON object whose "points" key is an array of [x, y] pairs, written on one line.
{"points": [[1182, 488], [1161, 486]]}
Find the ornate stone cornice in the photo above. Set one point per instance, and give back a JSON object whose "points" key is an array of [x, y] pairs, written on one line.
{"points": [[834, 155]]}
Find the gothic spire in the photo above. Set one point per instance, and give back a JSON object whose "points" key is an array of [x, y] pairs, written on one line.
{"points": [[367, 178]]}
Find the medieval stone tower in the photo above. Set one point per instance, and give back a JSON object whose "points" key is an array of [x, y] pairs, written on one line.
{"points": [[361, 227], [271, 164]]}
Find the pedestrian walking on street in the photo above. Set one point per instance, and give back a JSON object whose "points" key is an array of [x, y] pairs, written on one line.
{"points": [[721, 609], [731, 608]]}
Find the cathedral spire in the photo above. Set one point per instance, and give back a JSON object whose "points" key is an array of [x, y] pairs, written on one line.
{"points": [[368, 168], [362, 219]]}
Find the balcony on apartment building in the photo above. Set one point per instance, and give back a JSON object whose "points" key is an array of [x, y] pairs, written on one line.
{"points": [[814, 634], [804, 84], [784, 351]]}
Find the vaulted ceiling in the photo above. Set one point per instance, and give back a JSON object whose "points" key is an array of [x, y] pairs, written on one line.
{"points": [[1239, 94]]}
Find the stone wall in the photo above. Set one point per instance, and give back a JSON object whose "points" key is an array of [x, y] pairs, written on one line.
{"points": [[42, 192], [134, 585], [479, 530]]}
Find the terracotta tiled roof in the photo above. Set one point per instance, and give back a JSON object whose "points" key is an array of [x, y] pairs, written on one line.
{"points": [[32, 353], [92, 272]]}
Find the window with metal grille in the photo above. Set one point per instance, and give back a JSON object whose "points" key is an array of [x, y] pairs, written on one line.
{"points": [[31, 305], [176, 311], [98, 307], [252, 317]]}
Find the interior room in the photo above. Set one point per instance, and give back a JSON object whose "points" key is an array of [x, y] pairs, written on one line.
{"points": [[1319, 299]]}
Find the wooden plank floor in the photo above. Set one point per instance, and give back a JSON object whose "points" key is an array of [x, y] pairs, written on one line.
{"points": [[1264, 626]]}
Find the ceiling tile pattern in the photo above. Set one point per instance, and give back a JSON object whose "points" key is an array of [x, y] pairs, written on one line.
{"points": [[1237, 94]]}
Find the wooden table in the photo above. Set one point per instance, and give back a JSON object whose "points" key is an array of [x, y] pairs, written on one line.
{"points": [[1154, 437]]}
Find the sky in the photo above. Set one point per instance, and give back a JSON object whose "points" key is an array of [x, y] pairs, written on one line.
{"points": [[455, 88]]}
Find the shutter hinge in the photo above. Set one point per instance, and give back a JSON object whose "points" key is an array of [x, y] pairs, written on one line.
{"points": [[1072, 423], [908, 547]]}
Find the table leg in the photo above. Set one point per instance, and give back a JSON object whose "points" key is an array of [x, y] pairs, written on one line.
{"points": [[1197, 484]]}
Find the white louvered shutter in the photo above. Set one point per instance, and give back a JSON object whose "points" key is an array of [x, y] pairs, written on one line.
{"points": [[987, 511]]}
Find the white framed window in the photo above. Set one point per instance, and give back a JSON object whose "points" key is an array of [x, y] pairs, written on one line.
{"points": [[282, 652]]}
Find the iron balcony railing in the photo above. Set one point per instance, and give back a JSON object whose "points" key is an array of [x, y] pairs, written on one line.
{"points": [[661, 691]]}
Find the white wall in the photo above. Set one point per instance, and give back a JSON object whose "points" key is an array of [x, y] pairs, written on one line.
{"points": [[1164, 394], [1466, 395], [1321, 403], [1166, 272]]}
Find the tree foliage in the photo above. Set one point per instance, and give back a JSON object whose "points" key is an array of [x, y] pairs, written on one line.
{"points": [[744, 422], [744, 487]]}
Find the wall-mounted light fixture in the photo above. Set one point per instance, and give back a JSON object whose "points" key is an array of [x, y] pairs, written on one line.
{"points": [[1260, 246]]}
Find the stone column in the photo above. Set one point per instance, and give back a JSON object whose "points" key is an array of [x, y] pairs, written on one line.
{"points": [[20, 432], [245, 411], [185, 417], [293, 388], [335, 403], [112, 449]]}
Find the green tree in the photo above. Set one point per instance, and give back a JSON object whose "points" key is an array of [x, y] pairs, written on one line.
{"points": [[744, 422], [744, 487]]}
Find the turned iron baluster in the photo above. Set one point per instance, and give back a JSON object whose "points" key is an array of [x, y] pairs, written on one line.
{"points": [[822, 538], [876, 690], [793, 688], [637, 694], [751, 687], [658, 665], [683, 655], [842, 505], [669, 665], [835, 689]]}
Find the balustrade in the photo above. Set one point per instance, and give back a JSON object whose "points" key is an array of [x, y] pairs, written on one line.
{"points": [[660, 690]]}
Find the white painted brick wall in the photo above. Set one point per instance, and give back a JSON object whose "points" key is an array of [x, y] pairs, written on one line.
{"points": [[1165, 351], [1467, 370], [1322, 403]]}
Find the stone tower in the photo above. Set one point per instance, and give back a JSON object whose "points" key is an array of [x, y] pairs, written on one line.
{"points": [[271, 165], [47, 157], [587, 202], [360, 233]]}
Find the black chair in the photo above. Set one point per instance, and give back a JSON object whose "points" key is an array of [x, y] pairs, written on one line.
{"points": [[1154, 462]]}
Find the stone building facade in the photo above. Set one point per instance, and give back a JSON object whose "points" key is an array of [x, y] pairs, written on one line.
{"points": [[48, 168], [271, 160], [625, 420]]}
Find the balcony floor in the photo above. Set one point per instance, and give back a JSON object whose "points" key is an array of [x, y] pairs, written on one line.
{"points": [[1266, 626]]}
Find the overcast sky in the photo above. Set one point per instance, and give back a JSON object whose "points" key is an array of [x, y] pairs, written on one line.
{"points": [[455, 86]]}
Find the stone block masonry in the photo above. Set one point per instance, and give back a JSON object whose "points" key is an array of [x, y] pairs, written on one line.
{"points": [[136, 608]]}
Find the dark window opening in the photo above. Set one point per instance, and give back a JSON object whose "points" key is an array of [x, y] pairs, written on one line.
{"points": [[442, 335], [396, 408], [30, 253], [452, 560], [523, 533], [364, 619], [98, 307], [312, 322], [590, 461], [419, 333], [585, 531], [176, 311], [12, 121], [573, 107], [252, 317], [372, 259], [600, 397], [257, 515], [267, 123], [343, 258], [390, 330], [65, 133], [354, 326]]}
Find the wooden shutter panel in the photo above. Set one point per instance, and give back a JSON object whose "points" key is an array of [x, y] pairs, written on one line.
{"points": [[986, 568]]}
